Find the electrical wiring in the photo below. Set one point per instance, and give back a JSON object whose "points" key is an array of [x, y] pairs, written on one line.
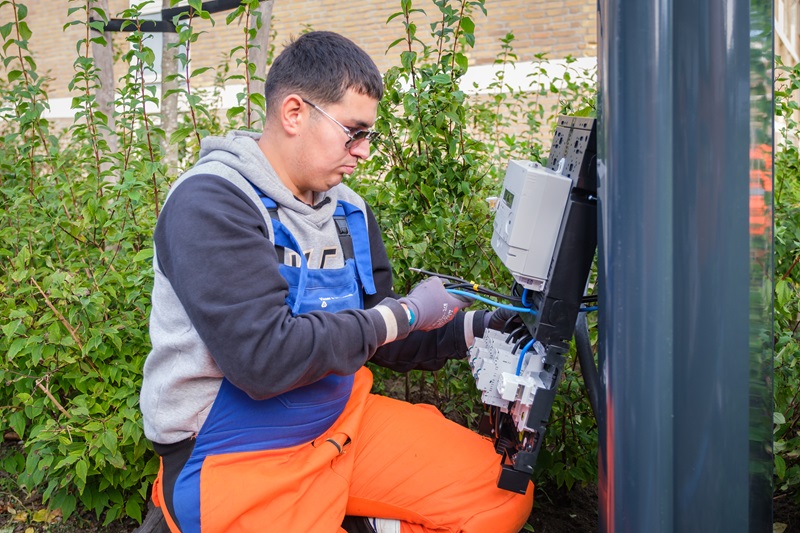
{"points": [[461, 283], [463, 287], [521, 329], [525, 297], [475, 296], [443, 276], [472, 287], [519, 342], [522, 355]]}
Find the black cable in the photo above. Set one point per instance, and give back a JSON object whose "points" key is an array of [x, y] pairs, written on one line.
{"points": [[591, 378], [479, 289], [522, 340], [462, 284], [515, 332]]}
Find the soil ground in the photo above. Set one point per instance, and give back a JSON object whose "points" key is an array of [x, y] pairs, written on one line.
{"points": [[555, 511]]}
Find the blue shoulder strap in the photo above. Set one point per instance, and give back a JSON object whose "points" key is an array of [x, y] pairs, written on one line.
{"points": [[361, 250], [353, 237]]}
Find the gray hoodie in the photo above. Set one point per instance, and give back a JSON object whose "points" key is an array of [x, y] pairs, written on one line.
{"points": [[218, 301]]}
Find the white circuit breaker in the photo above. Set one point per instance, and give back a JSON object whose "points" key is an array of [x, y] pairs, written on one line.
{"points": [[528, 221], [504, 380]]}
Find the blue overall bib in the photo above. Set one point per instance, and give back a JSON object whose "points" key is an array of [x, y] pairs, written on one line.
{"points": [[239, 424]]}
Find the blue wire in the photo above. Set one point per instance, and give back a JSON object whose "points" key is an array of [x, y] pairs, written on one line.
{"points": [[524, 298], [587, 309], [491, 302], [522, 355]]}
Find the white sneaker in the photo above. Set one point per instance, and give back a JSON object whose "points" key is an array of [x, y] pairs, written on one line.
{"points": [[384, 525]]}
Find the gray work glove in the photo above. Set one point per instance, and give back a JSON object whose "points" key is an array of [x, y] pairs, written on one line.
{"points": [[432, 305], [498, 319]]}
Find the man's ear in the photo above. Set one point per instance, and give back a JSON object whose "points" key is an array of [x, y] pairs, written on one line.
{"points": [[291, 114]]}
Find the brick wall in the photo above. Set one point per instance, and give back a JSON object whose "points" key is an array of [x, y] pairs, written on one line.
{"points": [[555, 27]]}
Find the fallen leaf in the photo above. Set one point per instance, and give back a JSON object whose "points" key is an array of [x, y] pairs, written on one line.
{"points": [[43, 515], [779, 527], [20, 517]]}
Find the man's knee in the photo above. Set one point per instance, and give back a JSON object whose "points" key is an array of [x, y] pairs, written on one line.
{"points": [[508, 517]]}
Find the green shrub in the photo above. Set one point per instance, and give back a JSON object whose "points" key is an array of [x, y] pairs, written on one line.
{"points": [[76, 269], [787, 283], [75, 250]]}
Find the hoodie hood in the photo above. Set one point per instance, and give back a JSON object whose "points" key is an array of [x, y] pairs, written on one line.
{"points": [[239, 151]]}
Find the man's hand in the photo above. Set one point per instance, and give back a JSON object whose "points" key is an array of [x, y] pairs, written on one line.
{"points": [[432, 306], [500, 318]]}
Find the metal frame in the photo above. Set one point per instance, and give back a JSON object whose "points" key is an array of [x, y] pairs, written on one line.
{"points": [[165, 25]]}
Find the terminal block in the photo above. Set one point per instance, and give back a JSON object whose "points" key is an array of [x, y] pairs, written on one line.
{"points": [[508, 380], [545, 232]]}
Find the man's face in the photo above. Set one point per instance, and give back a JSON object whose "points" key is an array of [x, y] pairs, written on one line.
{"points": [[323, 159]]}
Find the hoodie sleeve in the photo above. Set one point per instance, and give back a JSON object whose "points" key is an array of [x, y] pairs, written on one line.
{"points": [[421, 350], [213, 248]]}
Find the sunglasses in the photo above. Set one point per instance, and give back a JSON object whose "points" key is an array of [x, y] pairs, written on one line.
{"points": [[354, 134]]}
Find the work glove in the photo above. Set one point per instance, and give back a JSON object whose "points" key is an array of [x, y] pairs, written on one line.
{"points": [[501, 318], [431, 305]]}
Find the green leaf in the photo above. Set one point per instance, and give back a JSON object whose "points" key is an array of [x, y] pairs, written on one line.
{"points": [[11, 328], [17, 421], [780, 467], [198, 71], [81, 470], [110, 441], [24, 32], [778, 418], [145, 253], [133, 509], [462, 61], [64, 501], [407, 59], [16, 347], [234, 111], [180, 134], [391, 18], [93, 426], [259, 100], [5, 29]]}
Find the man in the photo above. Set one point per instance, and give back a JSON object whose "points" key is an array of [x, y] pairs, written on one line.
{"points": [[272, 289]]}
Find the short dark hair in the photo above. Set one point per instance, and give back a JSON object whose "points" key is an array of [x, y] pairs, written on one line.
{"points": [[321, 66]]}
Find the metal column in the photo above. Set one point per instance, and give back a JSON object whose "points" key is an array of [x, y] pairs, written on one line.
{"points": [[685, 99]]}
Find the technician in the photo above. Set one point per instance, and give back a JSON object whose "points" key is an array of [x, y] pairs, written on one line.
{"points": [[272, 289]]}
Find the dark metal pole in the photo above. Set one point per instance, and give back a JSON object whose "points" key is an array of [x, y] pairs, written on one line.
{"points": [[685, 394], [636, 270]]}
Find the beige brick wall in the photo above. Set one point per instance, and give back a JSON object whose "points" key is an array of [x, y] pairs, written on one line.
{"points": [[555, 27]]}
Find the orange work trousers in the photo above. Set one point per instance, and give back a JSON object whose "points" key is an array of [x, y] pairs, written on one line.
{"points": [[382, 458]]}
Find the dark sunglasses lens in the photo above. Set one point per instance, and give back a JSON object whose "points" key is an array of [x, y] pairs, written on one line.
{"points": [[359, 135]]}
